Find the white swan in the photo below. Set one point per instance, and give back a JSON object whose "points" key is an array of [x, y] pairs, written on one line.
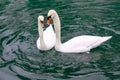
{"points": [[77, 44], [46, 39]]}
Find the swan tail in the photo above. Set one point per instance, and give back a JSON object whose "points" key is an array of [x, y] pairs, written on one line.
{"points": [[102, 41], [106, 38]]}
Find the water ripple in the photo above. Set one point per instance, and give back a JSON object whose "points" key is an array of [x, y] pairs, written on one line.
{"points": [[20, 58]]}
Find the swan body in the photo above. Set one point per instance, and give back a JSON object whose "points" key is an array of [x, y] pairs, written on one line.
{"points": [[81, 44], [46, 39], [77, 44]]}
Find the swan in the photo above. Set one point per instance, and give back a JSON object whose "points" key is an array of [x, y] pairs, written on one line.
{"points": [[77, 44], [46, 39]]}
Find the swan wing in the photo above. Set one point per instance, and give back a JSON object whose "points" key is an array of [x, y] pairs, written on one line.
{"points": [[83, 43]]}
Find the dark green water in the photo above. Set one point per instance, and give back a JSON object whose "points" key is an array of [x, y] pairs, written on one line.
{"points": [[21, 60]]}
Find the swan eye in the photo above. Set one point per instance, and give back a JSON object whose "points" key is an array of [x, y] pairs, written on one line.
{"points": [[41, 21], [49, 18], [42, 24]]}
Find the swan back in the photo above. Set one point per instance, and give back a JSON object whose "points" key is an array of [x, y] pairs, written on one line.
{"points": [[83, 43]]}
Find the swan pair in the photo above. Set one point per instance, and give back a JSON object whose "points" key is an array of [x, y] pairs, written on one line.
{"points": [[48, 38]]}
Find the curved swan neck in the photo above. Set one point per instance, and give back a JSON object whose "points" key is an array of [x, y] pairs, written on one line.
{"points": [[57, 26], [40, 31]]}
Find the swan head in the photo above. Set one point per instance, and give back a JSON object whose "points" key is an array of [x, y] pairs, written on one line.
{"points": [[41, 20], [51, 15]]}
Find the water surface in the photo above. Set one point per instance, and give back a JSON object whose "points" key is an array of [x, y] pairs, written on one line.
{"points": [[21, 60]]}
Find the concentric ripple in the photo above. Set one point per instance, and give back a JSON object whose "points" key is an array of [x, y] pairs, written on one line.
{"points": [[21, 60]]}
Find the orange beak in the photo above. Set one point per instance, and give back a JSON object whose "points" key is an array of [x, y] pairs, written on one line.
{"points": [[48, 20]]}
